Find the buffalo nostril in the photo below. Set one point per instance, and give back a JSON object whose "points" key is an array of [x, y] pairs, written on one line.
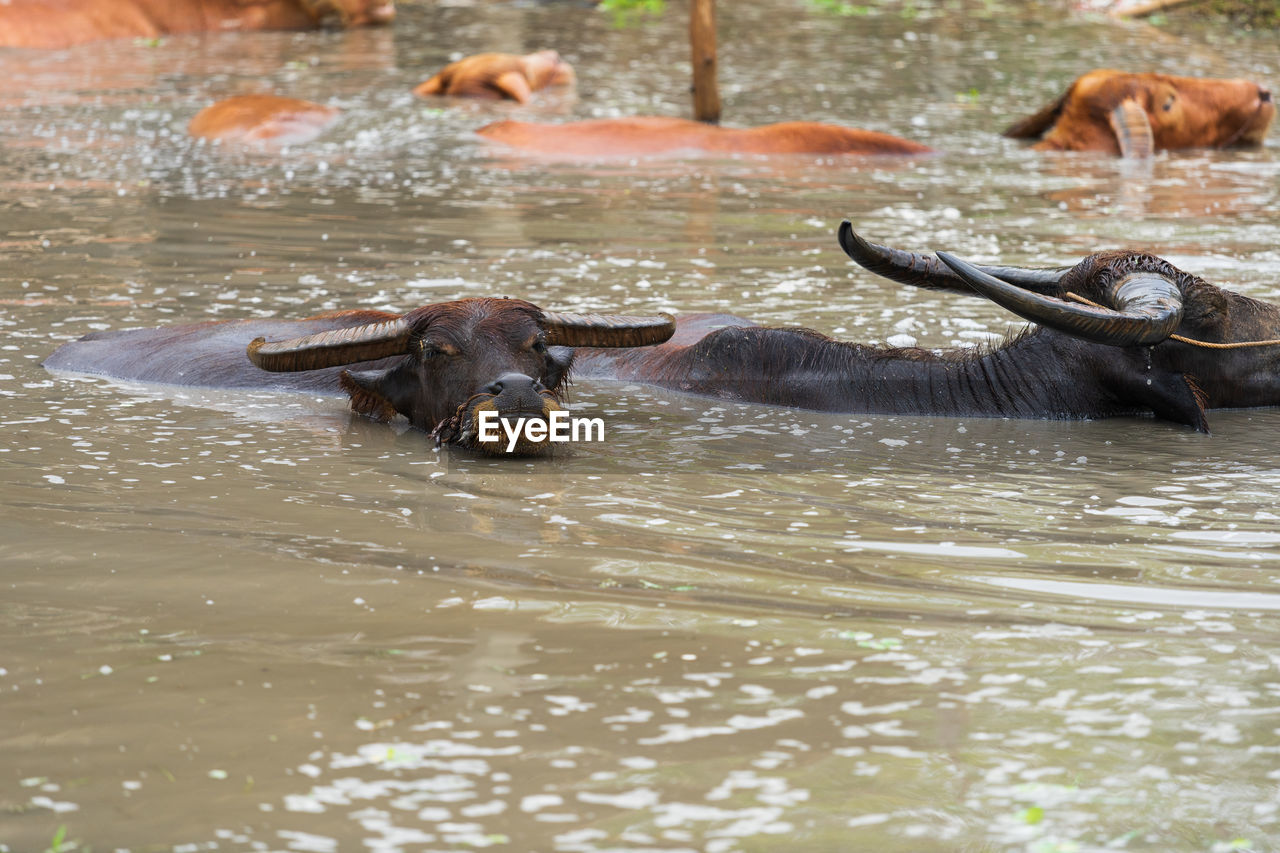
{"points": [[1264, 95], [513, 383]]}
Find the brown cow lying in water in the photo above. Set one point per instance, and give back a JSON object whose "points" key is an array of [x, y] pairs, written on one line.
{"points": [[1130, 349], [264, 119], [63, 23], [1135, 115], [499, 75], [441, 365], [650, 135]]}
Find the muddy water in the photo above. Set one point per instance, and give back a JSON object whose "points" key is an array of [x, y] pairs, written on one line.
{"points": [[253, 622]]}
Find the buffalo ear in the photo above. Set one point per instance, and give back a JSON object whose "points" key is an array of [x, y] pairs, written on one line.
{"points": [[366, 388], [433, 86], [1172, 397], [1132, 127], [514, 85], [1034, 127]]}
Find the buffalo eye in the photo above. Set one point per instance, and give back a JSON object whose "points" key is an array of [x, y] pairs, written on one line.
{"points": [[556, 366], [540, 346], [1168, 104]]}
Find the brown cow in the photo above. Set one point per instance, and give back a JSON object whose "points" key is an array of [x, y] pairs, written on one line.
{"points": [[263, 119], [1135, 115], [649, 135], [63, 23], [499, 75], [440, 366]]}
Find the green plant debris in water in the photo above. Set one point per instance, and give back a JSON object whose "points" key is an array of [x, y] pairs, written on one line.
{"points": [[60, 844], [841, 8], [628, 12], [1262, 14]]}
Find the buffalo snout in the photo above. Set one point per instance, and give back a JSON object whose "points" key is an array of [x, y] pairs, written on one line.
{"points": [[517, 392], [513, 399]]}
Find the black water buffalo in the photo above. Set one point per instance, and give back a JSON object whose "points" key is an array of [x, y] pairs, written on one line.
{"points": [[441, 365], [1118, 334]]}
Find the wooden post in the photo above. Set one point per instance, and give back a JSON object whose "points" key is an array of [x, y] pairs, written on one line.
{"points": [[702, 38]]}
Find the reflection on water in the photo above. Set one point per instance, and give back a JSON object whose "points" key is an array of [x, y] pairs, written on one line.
{"points": [[247, 621]]}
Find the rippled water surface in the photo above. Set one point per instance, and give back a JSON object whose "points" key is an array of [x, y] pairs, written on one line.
{"points": [[252, 622]]}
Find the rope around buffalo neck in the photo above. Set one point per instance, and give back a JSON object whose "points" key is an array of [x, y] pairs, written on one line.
{"points": [[1206, 344]]}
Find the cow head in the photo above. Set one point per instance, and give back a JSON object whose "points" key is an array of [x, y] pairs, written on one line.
{"points": [[459, 359], [499, 75], [545, 68], [1159, 315], [1135, 115]]}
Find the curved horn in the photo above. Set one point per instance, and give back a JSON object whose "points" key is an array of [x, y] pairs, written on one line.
{"points": [[332, 348], [1148, 307], [925, 270], [606, 330]]}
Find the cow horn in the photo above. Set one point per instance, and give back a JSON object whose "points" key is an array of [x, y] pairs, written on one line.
{"points": [[606, 330], [926, 271], [1147, 307], [332, 348]]}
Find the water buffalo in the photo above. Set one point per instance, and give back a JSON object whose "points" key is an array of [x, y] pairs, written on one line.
{"points": [[64, 23], [263, 119], [1135, 115], [440, 365], [648, 135], [1117, 335], [499, 75]]}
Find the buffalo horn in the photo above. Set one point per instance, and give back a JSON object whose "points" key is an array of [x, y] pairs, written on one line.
{"points": [[332, 348], [606, 330], [1147, 307], [926, 271]]}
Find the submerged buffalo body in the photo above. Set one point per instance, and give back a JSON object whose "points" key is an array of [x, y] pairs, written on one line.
{"points": [[1135, 115], [63, 23], [262, 119], [655, 135], [1114, 338], [440, 366]]}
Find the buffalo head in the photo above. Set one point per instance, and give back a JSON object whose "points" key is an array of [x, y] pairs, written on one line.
{"points": [[1172, 342], [459, 359], [1135, 115], [499, 75]]}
